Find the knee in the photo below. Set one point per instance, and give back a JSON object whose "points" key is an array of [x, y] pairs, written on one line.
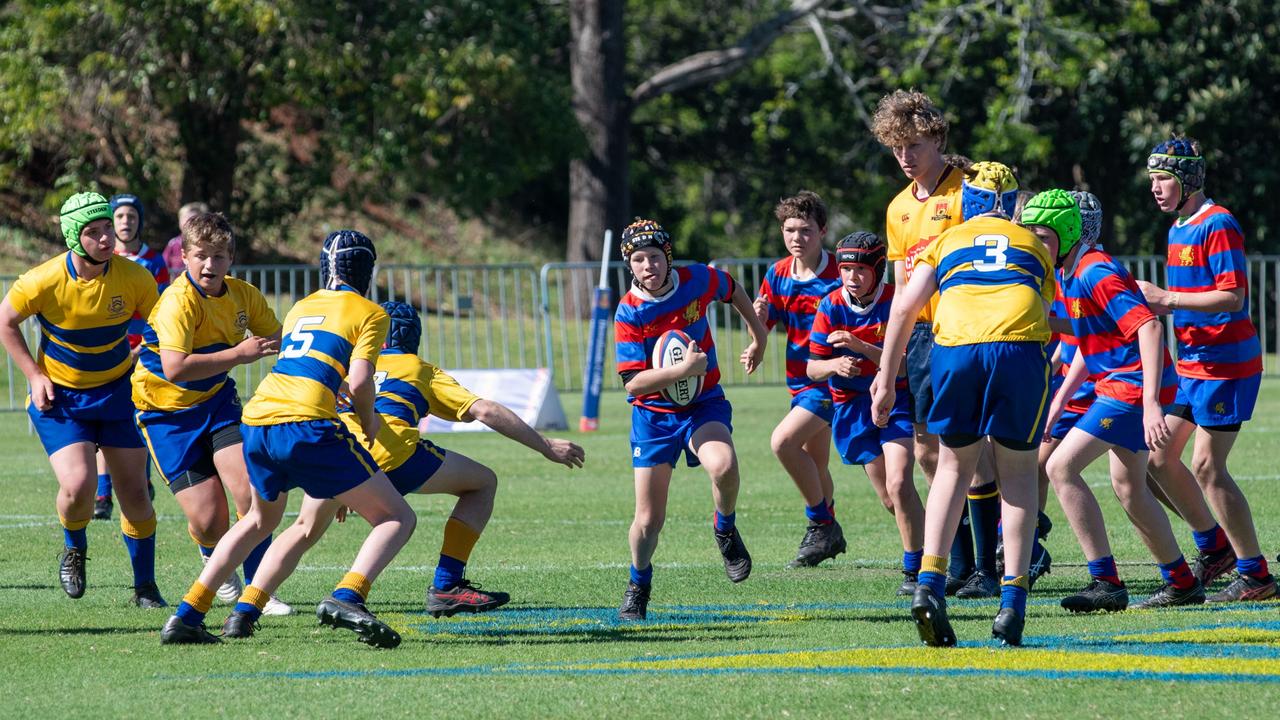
{"points": [[488, 480], [1204, 469], [1058, 471], [722, 468], [206, 530], [649, 524], [780, 441]]}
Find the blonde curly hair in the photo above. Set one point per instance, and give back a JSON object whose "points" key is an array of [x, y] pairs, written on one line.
{"points": [[902, 116]]}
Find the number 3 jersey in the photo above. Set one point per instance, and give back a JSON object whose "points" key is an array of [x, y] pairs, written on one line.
{"points": [[323, 333], [408, 389], [994, 280]]}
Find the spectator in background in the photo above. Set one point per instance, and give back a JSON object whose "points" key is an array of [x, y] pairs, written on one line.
{"points": [[173, 250]]}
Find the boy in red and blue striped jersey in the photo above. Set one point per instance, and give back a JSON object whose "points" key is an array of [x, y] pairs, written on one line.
{"points": [[1219, 370], [844, 349], [790, 293], [665, 299], [1119, 340]]}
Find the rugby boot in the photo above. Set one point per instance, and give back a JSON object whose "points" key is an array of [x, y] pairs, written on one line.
{"points": [[239, 625], [102, 507], [930, 613], [1097, 595], [737, 561], [176, 632], [276, 606], [1213, 564], [822, 541], [955, 582], [1007, 627], [71, 571], [635, 602], [979, 585], [1041, 563], [147, 596], [370, 630], [1170, 596], [463, 597], [910, 581], [1245, 588]]}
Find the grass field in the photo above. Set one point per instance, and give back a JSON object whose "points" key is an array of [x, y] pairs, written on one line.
{"points": [[812, 643]]}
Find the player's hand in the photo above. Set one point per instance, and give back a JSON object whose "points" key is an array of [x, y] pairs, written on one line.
{"points": [[1049, 422], [42, 391], [761, 306], [564, 452], [1157, 298], [751, 357], [1154, 427], [883, 395], [342, 513], [254, 347], [695, 363], [371, 428], [847, 367]]}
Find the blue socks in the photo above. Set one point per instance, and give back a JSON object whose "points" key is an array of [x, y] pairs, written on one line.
{"points": [[937, 582], [820, 513], [241, 607], [724, 523], [911, 562], [104, 485], [252, 561], [142, 555], [984, 516], [346, 595], [449, 572], [961, 563], [642, 577], [1210, 540], [1013, 594], [78, 539]]}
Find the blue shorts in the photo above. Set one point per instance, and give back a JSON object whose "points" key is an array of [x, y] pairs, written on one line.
{"points": [[1115, 423], [817, 401], [1213, 403], [659, 438], [102, 415], [320, 456], [919, 384], [181, 441], [857, 438], [410, 475], [1066, 421], [1055, 384], [999, 389]]}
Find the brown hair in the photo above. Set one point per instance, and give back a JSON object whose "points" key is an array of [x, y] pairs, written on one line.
{"points": [[804, 205], [902, 116], [211, 230]]}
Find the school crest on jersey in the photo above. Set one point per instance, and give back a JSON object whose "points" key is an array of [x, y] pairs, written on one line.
{"points": [[1185, 257], [940, 213], [242, 321], [1076, 311], [116, 306], [692, 312]]}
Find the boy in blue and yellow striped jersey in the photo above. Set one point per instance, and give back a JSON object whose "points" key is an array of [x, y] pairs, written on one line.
{"points": [[294, 439], [188, 407], [990, 379], [409, 388], [79, 400]]}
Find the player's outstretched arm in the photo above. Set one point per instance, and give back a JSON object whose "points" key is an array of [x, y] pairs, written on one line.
{"points": [[502, 420], [16, 346], [185, 367], [754, 353]]}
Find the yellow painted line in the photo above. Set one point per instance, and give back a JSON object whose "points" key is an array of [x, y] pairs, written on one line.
{"points": [[1211, 636]]}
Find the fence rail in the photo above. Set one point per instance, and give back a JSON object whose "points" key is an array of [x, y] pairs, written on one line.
{"points": [[521, 315]]}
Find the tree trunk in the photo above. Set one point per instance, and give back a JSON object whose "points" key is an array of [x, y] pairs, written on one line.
{"points": [[211, 139], [599, 193]]}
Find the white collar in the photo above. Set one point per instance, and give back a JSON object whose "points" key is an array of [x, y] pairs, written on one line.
{"points": [[817, 272], [1181, 222], [644, 294], [861, 309]]}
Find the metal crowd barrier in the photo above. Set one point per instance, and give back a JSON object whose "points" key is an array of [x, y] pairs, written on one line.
{"points": [[520, 315]]}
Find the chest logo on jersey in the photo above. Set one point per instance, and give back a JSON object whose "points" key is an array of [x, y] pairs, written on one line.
{"points": [[1076, 311], [242, 321], [1185, 257], [116, 306], [906, 218], [940, 213], [692, 313]]}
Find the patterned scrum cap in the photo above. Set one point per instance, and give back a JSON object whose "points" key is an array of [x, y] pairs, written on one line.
{"points": [[1178, 157]]}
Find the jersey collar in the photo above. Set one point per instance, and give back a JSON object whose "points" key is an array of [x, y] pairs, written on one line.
{"points": [[675, 284], [861, 309]]}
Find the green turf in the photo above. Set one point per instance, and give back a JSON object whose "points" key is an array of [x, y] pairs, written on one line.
{"points": [[558, 544]]}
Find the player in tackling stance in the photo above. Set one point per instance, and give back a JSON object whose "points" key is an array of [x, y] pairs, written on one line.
{"points": [[294, 439], [408, 387], [665, 299], [990, 379]]}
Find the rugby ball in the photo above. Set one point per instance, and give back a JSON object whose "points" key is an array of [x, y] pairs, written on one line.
{"points": [[672, 348]]}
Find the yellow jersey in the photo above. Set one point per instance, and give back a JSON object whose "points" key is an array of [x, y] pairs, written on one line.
{"points": [[324, 332], [84, 323], [912, 224], [186, 320], [994, 280], [408, 389]]}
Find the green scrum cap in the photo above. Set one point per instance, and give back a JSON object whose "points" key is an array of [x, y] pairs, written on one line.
{"points": [[1056, 210], [80, 210]]}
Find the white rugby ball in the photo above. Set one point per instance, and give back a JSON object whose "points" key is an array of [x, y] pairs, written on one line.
{"points": [[672, 348]]}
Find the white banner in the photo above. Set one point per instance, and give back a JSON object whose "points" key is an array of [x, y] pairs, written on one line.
{"points": [[529, 393]]}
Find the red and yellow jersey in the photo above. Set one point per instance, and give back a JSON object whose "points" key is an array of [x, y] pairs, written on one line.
{"points": [[83, 322], [186, 320], [324, 333], [995, 280], [912, 224], [408, 389]]}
